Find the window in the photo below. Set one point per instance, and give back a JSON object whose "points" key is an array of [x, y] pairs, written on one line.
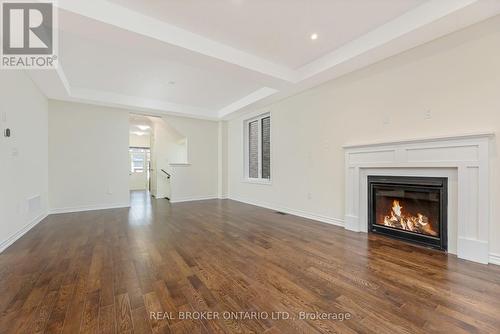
{"points": [[258, 148], [139, 159]]}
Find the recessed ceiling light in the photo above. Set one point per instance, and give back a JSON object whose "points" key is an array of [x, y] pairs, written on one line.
{"points": [[171, 82], [314, 36], [139, 133], [143, 127]]}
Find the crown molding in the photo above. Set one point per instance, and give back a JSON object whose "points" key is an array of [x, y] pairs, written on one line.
{"points": [[258, 95], [54, 85]]}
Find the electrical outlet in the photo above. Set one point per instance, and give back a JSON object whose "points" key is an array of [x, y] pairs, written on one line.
{"points": [[428, 114], [309, 196], [386, 120]]}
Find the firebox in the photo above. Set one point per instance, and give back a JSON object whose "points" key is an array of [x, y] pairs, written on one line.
{"points": [[409, 208]]}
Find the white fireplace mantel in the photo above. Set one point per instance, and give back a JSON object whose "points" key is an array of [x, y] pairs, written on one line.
{"points": [[466, 155]]}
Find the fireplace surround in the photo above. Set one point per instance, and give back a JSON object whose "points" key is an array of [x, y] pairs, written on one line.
{"points": [[463, 158], [409, 208]]}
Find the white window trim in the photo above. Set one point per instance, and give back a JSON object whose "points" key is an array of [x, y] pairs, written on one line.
{"points": [[246, 167]]}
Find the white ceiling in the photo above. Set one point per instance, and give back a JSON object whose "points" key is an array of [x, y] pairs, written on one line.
{"points": [[138, 124], [276, 30], [219, 58], [121, 62]]}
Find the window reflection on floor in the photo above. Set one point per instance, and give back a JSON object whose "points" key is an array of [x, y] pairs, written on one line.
{"points": [[141, 211]]}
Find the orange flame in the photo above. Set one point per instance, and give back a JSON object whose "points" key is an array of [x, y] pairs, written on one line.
{"points": [[417, 224]]}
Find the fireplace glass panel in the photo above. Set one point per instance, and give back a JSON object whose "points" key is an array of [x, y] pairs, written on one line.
{"points": [[408, 210]]}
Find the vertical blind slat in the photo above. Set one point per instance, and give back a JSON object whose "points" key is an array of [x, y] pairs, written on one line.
{"points": [[253, 149], [266, 148]]}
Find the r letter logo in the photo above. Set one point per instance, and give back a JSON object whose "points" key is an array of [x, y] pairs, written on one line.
{"points": [[28, 38]]}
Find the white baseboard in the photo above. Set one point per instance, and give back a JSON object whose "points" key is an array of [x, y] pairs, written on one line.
{"points": [[295, 212], [14, 237], [194, 198], [351, 223], [473, 250], [495, 259], [88, 208]]}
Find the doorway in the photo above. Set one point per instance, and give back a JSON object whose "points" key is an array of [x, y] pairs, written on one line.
{"points": [[140, 166]]}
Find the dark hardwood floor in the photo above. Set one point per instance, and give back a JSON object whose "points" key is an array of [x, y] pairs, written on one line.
{"points": [[106, 271]]}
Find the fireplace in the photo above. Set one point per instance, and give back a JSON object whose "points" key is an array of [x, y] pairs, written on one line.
{"points": [[409, 208]]}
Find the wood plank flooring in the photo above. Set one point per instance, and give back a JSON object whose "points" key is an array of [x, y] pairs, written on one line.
{"points": [[106, 271]]}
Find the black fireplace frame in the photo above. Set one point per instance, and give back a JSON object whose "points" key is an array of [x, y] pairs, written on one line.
{"points": [[411, 183]]}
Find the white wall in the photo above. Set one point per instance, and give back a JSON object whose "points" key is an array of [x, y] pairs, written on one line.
{"points": [[139, 141], [197, 178], [23, 157], [88, 157], [170, 143], [457, 78], [222, 162], [168, 146]]}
